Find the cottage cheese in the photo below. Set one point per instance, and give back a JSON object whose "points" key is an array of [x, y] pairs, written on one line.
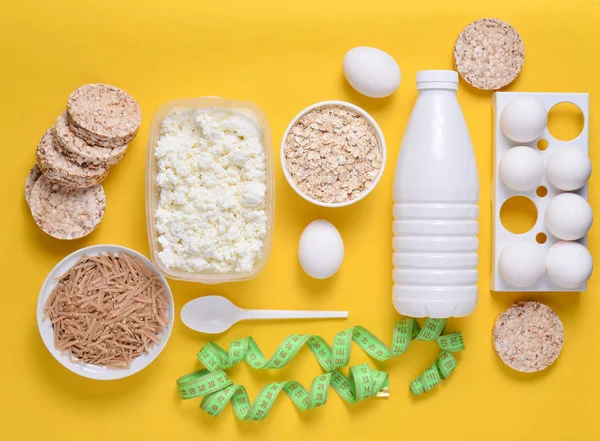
{"points": [[212, 177]]}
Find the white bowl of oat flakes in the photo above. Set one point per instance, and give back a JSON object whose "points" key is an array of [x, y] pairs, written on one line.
{"points": [[333, 153]]}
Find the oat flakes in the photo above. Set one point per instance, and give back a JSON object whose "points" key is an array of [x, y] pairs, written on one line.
{"points": [[528, 336], [489, 54], [104, 115], [64, 212], [333, 154]]}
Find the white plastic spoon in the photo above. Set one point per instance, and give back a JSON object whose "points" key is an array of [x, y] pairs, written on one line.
{"points": [[216, 314]]}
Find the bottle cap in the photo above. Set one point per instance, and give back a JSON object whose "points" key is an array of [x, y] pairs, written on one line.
{"points": [[437, 79]]}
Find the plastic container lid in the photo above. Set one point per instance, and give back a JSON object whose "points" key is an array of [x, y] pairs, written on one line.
{"points": [[439, 79]]}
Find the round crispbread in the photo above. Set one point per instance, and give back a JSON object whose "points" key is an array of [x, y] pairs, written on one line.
{"points": [[489, 54], [81, 153], [32, 177], [59, 169], [64, 212], [103, 115], [528, 336]]}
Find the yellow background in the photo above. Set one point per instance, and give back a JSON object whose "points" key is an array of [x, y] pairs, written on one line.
{"points": [[283, 55]]}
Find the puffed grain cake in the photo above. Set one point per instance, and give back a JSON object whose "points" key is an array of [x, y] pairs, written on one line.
{"points": [[489, 54], [64, 212], [104, 115], [79, 152], [32, 177], [528, 336], [59, 169]]}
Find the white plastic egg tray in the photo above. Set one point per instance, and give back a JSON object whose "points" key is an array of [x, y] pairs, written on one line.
{"points": [[501, 193]]}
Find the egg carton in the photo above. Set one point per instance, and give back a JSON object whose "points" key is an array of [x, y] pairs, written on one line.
{"points": [[500, 192]]}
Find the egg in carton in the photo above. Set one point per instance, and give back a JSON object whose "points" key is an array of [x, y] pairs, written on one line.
{"points": [[553, 174]]}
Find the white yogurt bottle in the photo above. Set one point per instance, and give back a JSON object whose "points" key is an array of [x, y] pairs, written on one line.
{"points": [[436, 190]]}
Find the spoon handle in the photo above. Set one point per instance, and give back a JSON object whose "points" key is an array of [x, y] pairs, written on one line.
{"points": [[261, 314]]}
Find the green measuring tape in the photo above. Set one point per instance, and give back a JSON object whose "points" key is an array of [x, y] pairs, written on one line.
{"points": [[218, 389]]}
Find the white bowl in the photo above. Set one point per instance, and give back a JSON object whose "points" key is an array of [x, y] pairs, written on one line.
{"points": [[380, 138], [85, 369]]}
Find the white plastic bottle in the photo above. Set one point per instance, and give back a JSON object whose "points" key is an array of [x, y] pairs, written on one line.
{"points": [[436, 190]]}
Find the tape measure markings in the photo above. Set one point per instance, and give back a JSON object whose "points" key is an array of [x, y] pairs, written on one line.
{"points": [[217, 388]]}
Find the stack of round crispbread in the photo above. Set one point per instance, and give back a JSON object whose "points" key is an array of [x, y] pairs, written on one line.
{"points": [[73, 157]]}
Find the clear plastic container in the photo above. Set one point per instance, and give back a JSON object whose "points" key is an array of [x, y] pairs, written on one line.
{"points": [[152, 191]]}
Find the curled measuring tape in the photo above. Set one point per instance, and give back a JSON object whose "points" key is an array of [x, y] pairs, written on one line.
{"points": [[218, 389]]}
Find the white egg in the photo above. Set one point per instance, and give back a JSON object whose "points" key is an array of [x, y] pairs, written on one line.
{"points": [[523, 119], [321, 249], [521, 264], [568, 216], [569, 264], [568, 168], [371, 71], [521, 168]]}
